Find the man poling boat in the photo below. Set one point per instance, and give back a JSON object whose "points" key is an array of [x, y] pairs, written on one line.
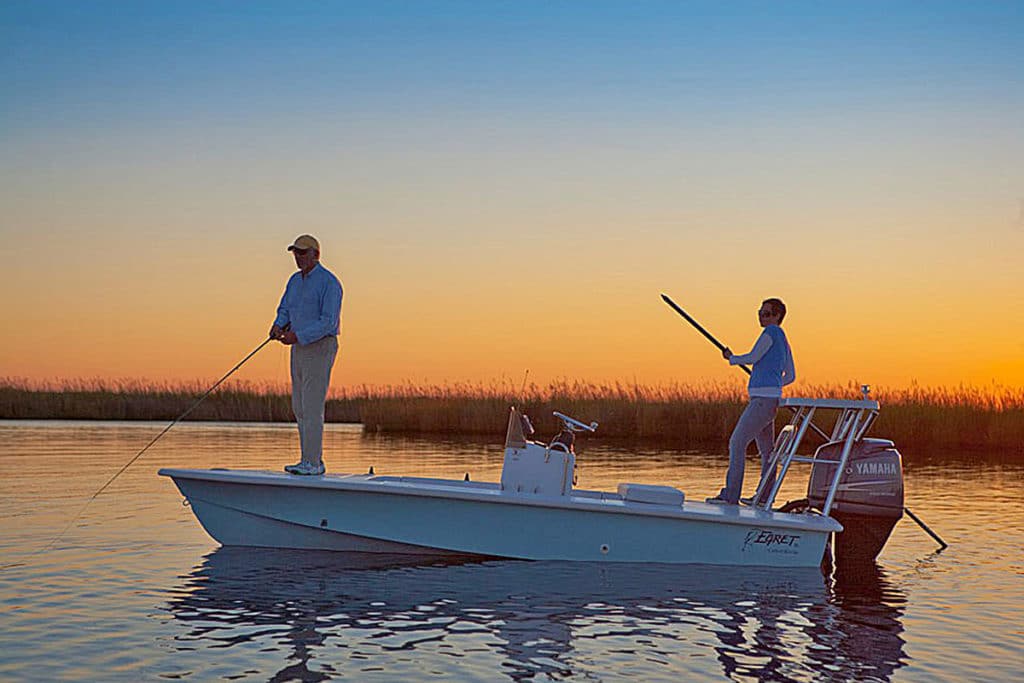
{"points": [[855, 479], [773, 369]]}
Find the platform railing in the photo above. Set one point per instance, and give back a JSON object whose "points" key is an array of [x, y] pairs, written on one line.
{"points": [[855, 418]]}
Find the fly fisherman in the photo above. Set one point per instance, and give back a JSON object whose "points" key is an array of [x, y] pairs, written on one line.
{"points": [[309, 320], [773, 369]]}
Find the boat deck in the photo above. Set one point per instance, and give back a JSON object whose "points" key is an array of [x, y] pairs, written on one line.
{"points": [[580, 499]]}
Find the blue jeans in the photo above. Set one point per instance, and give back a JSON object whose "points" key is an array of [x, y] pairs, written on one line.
{"points": [[757, 423]]}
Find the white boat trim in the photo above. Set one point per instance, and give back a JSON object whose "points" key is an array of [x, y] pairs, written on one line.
{"points": [[579, 499]]}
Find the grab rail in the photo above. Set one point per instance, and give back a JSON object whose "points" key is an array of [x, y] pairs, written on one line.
{"points": [[853, 422]]}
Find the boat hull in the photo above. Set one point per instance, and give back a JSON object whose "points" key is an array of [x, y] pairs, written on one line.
{"points": [[232, 526], [438, 517]]}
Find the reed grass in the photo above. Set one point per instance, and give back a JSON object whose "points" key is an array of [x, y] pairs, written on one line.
{"points": [[140, 400], [933, 422], [697, 414]]}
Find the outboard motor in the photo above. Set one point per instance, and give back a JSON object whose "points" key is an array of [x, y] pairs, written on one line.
{"points": [[869, 499]]}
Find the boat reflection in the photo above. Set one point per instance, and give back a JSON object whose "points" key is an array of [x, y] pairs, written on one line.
{"points": [[868, 609], [546, 619]]}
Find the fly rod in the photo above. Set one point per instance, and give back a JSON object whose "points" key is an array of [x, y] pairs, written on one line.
{"points": [[166, 429], [181, 417]]}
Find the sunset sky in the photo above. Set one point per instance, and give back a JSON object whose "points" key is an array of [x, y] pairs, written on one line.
{"points": [[504, 186]]}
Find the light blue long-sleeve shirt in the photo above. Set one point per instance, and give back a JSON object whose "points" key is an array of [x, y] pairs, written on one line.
{"points": [[312, 304]]}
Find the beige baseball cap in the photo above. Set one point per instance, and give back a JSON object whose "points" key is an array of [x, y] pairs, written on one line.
{"points": [[305, 242]]}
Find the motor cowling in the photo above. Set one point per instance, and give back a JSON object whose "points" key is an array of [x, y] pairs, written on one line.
{"points": [[868, 500]]}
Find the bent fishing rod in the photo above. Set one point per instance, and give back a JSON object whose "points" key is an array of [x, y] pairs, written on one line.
{"points": [[166, 429], [942, 544]]}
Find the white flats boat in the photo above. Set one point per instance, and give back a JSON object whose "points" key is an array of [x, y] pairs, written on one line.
{"points": [[535, 513]]}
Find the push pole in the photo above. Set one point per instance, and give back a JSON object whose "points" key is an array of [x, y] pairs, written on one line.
{"points": [[721, 347], [699, 327], [942, 544]]}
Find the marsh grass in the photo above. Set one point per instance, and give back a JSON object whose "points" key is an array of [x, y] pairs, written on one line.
{"points": [[695, 413], [140, 400], [951, 420], [932, 422]]}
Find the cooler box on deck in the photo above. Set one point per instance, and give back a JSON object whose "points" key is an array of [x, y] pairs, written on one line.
{"points": [[646, 493]]}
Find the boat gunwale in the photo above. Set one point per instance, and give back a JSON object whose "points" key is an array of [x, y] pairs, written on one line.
{"points": [[481, 492]]}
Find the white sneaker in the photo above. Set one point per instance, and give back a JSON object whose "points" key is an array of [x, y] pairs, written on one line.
{"points": [[308, 468]]}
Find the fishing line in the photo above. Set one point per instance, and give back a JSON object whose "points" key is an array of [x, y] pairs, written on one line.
{"points": [[138, 455]]}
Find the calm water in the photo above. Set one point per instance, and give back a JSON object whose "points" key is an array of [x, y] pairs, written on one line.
{"points": [[136, 591]]}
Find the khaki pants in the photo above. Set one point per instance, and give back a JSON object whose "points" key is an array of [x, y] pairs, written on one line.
{"points": [[311, 375]]}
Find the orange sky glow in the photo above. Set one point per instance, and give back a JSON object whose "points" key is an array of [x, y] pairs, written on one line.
{"points": [[511, 213]]}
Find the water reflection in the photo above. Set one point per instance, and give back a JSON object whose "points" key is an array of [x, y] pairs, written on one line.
{"points": [[870, 620], [333, 613]]}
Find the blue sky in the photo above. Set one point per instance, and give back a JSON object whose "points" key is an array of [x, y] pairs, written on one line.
{"points": [[110, 62]]}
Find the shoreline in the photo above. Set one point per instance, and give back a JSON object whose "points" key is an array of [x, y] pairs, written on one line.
{"points": [[927, 423]]}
